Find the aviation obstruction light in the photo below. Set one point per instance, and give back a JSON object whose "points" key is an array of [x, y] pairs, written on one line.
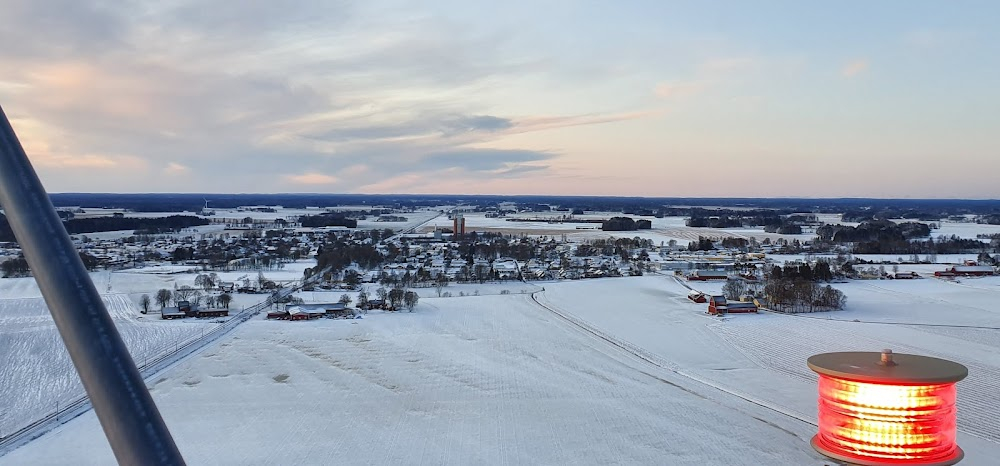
{"points": [[888, 409]]}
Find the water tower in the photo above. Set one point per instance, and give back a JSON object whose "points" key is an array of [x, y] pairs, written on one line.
{"points": [[459, 224]]}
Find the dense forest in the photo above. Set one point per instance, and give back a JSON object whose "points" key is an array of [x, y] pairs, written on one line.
{"points": [[116, 223], [327, 220], [625, 224], [18, 266], [873, 230]]}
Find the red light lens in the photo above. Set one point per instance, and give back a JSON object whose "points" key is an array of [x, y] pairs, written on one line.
{"points": [[882, 422]]}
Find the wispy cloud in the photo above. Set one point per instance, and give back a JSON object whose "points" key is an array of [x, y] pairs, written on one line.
{"points": [[854, 68], [541, 123], [312, 178], [679, 89], [174, 168]]}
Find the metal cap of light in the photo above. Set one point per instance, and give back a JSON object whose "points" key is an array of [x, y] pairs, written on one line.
{"points": [[880, 409]]}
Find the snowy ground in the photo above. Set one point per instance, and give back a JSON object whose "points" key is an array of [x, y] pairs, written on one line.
{"points": [[762, 357], [663, 229], [622, 371], [413, 219], [36, 374], [485, 380]]}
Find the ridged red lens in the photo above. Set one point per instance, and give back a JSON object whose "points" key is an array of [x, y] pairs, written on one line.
{"points": [[884, 422]]}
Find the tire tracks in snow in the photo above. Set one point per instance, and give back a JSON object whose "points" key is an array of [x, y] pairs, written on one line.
{"points": [[668, 366]]}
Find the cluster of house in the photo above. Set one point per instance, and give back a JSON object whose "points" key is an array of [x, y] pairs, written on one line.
{"points": [[433, 256], [212, 247]]}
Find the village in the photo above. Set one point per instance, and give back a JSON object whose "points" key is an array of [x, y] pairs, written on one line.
{"points": [[456, 245], [340, 271]]}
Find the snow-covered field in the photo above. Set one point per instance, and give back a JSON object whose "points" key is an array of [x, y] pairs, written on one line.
{"points": [[663, 229], [413, 219], [36, 374], [486, 380], [624, 371], [763, 356]]}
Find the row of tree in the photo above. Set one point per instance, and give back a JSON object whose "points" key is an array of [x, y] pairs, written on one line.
{"points": [[18, 266], [164, 297], [390, 298]]}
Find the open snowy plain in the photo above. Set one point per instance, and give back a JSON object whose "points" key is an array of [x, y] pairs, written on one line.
{"points": [[36, 374], [623, 371]]}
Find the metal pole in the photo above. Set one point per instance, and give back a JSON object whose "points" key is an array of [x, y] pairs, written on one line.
{"points": [[129, 417]]}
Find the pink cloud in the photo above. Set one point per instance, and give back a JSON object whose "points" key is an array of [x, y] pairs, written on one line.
{"points": [[854, 68], [669, 90], [312, 178]]}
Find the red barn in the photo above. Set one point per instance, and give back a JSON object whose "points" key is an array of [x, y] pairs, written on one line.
{"points": [[280, 315], [719, 305], [967, 271], [697, 297]]}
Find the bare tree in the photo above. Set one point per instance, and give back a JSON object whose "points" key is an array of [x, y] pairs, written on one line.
{"points": [[184, 293], [734, 288], [345, 299], [396, 298], [224, 299], [144, 303], [163, 297], [410, 299], [363, 300], [440, 282]]}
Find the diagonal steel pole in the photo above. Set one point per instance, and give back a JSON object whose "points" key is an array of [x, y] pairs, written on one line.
{"points": [[129, 417]]}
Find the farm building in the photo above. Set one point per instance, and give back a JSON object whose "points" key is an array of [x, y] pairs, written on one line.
{"points": [[186, 309], [280, 315], [220, 312], [703, 275], [312, 311], [697, 297], [719, 305], [966, 271], [172, 313]]}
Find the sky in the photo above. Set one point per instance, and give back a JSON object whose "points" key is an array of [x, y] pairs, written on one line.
{"points": [[894, 99]]}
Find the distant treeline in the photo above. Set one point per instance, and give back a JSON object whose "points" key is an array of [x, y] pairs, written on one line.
{"points": [[885, 237], [18, 266], [873, 230], [625, 224], [139, 225], [941, 245], [990, 219], [98, 224], [327, 220], [895, 208]]}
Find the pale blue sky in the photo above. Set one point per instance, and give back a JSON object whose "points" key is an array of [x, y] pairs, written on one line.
{"points": [[725, 98]]}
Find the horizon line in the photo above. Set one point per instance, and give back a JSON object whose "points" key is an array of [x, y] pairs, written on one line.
{"points": [[532, 195]]}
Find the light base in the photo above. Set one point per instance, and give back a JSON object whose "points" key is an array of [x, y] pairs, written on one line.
{"points": [[955, 457]]}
